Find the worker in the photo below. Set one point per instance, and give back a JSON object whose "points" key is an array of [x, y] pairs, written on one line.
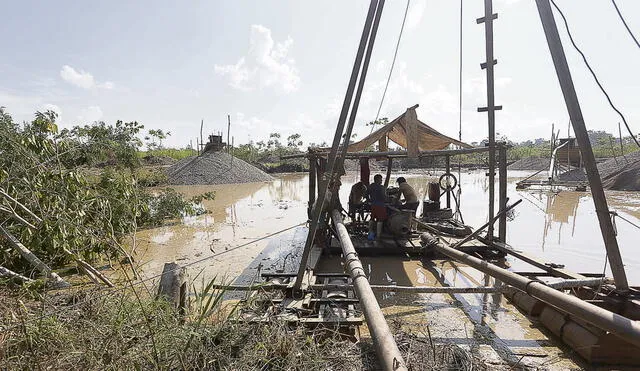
{"points": [[378, 197], [356, 197], [410, 198]]}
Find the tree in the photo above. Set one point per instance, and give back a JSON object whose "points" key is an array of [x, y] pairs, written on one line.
{"points": [[156, 134], [379, 122], [293, 141]]}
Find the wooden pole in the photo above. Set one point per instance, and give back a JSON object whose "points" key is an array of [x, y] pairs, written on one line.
{"points": [[388, 175], [580, 130], [487, 224], [621, 145], [502, 192], [312, 185], [201, 140], [448, 170], [228, 130], [488, 18]]}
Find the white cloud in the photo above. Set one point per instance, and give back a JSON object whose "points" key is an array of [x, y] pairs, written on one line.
{"points": [[90, 114], [82, 79], [266, 65], [107, 85], [416, 10]]}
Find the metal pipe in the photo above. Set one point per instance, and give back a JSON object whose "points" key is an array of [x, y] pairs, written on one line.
{"points": [[618, 325], [552, 164], [487, 224], [580, 130], [323, 184], [386, 347]]}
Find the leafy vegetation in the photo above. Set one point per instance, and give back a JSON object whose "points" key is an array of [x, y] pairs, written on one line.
{"points": [[82, 212]]}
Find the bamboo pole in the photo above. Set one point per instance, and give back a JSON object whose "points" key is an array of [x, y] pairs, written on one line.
{"points": [[386, 347], [58, 282]]}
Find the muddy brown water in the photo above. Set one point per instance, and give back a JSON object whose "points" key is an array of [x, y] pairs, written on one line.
{"points": [[559, 226]]}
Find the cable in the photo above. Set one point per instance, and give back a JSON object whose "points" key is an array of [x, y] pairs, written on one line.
{"points": [[112, 292], [584, 58], [395, 54], [625, 23]]}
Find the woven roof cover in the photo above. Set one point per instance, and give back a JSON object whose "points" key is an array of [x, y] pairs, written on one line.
{"points": [[428, 139]]}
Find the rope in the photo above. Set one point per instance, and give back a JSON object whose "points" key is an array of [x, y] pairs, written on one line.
{"points": [[584, 58], [112, 292], [614, 214], [395, 54], [625, 23]]}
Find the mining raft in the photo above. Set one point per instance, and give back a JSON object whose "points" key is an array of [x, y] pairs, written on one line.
{"points": [[595, 316]]}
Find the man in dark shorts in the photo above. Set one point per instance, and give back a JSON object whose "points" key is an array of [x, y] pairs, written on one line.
{"points": [[410, 197], [378, 197], [356, 196]]}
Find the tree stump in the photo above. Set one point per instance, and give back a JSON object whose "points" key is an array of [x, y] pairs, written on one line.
{"points": [[173, 286]]}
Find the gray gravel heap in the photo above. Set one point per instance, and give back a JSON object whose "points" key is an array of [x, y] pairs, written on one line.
{"points": [[621, 173], [530, 163], [214, 168]]}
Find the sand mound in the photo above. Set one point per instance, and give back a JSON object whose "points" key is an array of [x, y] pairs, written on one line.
{"points": [[214, 168], [530, 163]]}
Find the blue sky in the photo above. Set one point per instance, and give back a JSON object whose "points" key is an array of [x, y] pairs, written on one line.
{"points": [[284, 65]]}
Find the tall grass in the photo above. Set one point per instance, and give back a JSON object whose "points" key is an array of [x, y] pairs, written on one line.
{"points": [[134, 331], [175, 153]]}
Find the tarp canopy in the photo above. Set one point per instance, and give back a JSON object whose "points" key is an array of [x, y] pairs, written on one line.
{"points": [[408, 132]]}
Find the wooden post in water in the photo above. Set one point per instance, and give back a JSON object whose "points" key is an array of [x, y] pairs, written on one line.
{"points": [[580, 130], [502, 192]]}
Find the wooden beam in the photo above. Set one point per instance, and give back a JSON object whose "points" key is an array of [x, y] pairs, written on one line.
{"points": [[580, 130]]}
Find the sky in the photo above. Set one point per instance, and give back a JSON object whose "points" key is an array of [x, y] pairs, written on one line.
{"points": [[283, 66]]}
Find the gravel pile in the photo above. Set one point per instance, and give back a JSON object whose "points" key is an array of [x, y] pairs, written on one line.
{"points": [[214, 168], [621, 173], [530, 163]]}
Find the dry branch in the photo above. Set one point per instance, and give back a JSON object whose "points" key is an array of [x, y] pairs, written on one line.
{"points": [[89, 269]]}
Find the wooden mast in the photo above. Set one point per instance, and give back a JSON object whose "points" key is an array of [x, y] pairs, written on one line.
{"points": [[580, 130]]}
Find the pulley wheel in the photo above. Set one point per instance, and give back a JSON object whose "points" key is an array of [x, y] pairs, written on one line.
{"points": [[448, 181]]}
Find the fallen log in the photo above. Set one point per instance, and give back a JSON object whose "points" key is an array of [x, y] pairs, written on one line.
{"points": [[57, 281], [8, 273]]}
